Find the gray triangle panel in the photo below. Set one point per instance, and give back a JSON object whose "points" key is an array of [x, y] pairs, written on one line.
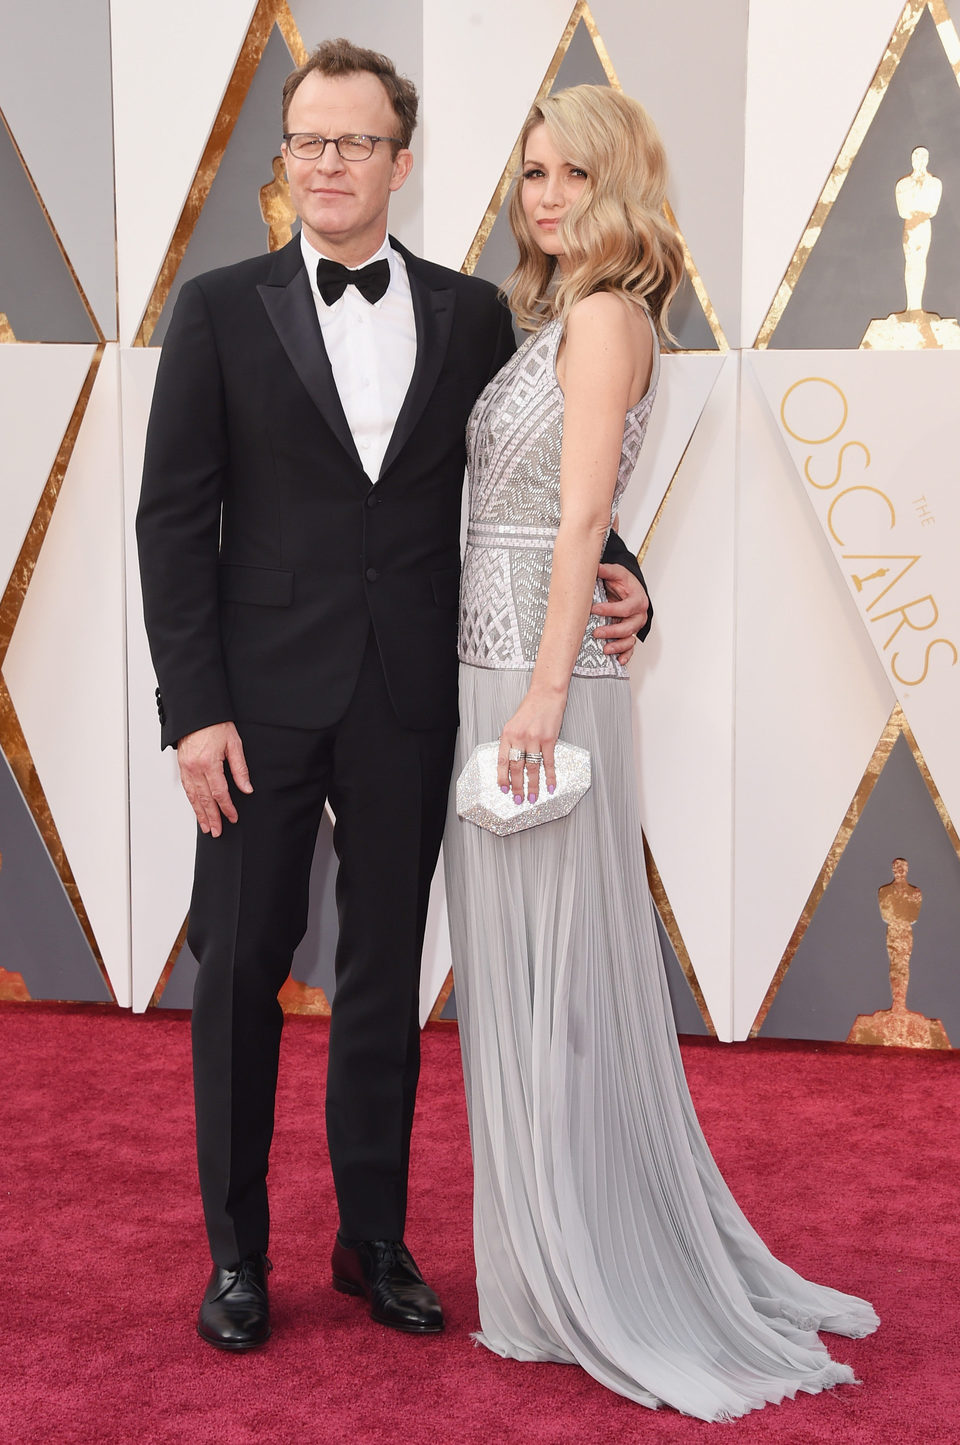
{"points": [[841, 969], [855, 271], [178, 992], [449, 1010], [686, 1014], [40, 935], [57, 88], [314, 960], [230, 227], [581, 64], [37, 292]]}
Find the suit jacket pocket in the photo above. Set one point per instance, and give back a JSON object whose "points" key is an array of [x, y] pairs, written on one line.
{"points": [[446, 587], [258, 586]]}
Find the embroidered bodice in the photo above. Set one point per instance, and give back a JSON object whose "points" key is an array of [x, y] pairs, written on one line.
{"points": [[513, 464]]}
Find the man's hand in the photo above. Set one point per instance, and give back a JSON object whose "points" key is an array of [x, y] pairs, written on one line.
{"points": [[627, 604], [201, 756]]}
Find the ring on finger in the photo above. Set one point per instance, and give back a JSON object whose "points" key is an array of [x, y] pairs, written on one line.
{"points": [[515, 755], [533, 757]]}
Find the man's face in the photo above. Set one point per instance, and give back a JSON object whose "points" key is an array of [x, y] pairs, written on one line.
{"points": [[343, 204]]}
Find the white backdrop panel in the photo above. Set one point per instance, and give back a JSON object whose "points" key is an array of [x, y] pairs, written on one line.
{"points": [[170, 70], [63, 125], [685, 384], [683, 695], [808, 69], [39, 386], [65, 671], [161, 822], [873, 435], [811, 703], [482, 68]]}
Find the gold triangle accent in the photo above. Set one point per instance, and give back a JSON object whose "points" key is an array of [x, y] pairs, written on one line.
{"points": [[895, 726], [6, 330], [268, 13], [302, 998], [23, 569], [97, 332], [12, 988], [645, 544], [696, 281], [581, 11], [294, 997], [668, 918], [440, 1002], [168, 967], [13, 743], [513, 161], [14, 747], [288, 29], [896, 46]]}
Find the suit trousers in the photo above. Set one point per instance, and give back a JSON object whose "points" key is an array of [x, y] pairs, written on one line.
{"points": [[387, 786]]}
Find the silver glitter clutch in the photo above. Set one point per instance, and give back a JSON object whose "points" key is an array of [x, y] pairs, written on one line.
{"points": [[480, 801]]}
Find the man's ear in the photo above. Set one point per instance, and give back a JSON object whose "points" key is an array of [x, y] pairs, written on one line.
{"points": [[402, 166]]}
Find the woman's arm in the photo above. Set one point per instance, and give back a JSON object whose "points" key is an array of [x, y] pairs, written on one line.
{"points": [[604, 368]]}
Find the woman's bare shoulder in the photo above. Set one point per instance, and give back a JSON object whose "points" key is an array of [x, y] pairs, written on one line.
{"points": [[608, 324]]}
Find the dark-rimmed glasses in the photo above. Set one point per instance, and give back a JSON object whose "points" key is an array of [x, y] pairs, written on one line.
{"points": [[309, 147]]}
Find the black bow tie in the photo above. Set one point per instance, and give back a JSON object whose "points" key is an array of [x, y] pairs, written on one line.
{"points": [[371, 281]]}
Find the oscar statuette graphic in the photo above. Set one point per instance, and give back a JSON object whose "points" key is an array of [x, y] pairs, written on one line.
{"points": [[276, 208], [6, 330], [899, 903], [918, 197], [12, 987]]}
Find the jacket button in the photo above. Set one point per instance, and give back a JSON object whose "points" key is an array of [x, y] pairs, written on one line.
{"points": [[372, 574], [372, 499]]}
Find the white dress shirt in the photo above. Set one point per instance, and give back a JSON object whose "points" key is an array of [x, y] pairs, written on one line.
{"points": [[372, 350]]}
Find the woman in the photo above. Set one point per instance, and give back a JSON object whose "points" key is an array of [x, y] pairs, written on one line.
{"points": [[604, 1233]]}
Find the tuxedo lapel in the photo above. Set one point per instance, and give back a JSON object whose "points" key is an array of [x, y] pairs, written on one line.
{"points": [[289, 304], [433, 315]]}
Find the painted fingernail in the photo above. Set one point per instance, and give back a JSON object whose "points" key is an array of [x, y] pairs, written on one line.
{"points": [[504, 787], [518, 797], [531, 797], [551, 787]]}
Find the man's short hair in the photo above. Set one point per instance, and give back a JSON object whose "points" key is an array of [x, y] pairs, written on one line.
{"points": [[342, 57]]}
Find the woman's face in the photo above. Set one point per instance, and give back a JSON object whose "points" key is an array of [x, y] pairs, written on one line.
{"points": [[549, 187]]}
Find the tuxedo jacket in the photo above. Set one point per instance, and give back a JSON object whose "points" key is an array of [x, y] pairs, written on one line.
{"points": [[266, 553]]}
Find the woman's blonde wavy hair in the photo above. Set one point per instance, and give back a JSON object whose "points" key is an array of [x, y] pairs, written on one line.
{"points": [[615, 236]]}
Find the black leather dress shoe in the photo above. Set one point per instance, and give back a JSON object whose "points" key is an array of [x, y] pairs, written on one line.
{"points": [[235, 1313], [383, 1270]]}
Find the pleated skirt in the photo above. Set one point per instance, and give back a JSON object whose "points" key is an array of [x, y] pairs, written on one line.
{"points": [[604, 1233]]}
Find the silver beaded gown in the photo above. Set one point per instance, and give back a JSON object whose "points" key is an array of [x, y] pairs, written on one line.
{"points": [[604, 1233]]}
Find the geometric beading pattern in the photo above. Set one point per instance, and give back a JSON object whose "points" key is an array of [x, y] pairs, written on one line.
{"points": [[514, 439]]}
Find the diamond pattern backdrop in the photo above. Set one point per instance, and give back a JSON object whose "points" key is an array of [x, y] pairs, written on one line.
{"points": [[782, 767]]}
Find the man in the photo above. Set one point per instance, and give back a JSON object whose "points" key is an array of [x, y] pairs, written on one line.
{"points": [[299, 540]]}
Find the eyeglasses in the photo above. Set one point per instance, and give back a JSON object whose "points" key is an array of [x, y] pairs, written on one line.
{"points": [[349, 147]]}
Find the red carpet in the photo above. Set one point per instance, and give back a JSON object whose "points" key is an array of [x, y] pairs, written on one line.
{"points": [[846, 1160]]}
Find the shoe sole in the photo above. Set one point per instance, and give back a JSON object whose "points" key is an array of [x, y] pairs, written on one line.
{"points": [[346, 1286], [234, 1347]]}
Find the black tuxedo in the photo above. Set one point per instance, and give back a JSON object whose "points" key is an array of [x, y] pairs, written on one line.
{"points": [[246, 416], [285, 592]]}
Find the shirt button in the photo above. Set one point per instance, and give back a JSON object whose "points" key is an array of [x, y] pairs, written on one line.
{"points": [[372, 574]]}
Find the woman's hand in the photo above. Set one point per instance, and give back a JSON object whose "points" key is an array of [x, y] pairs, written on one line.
{"points": [[531, 732]]}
